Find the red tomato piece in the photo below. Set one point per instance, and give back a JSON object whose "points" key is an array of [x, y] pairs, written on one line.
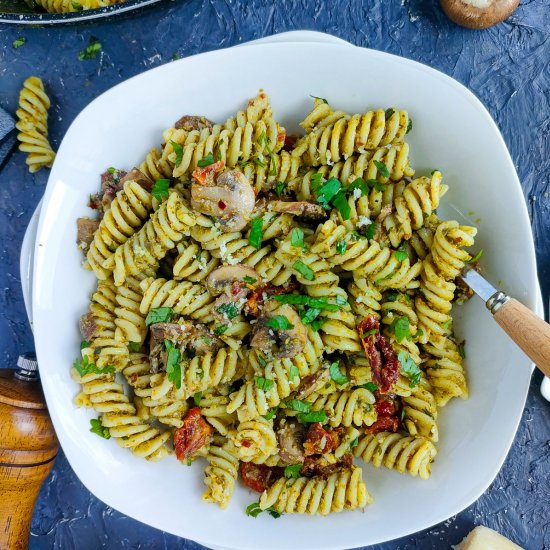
{"points": [[194, 434], [320, 441], [201, 174], [259, 477]]}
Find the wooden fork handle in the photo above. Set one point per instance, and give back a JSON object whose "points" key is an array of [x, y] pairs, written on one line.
{"points": [[527, 330]]}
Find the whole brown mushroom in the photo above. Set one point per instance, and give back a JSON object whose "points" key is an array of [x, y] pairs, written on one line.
{"points": [[478, 14]]}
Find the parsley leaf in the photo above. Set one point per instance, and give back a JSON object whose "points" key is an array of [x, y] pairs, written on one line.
{"points": [[254, 510], [297, 237], [262, 361], [371, 230], [83, 367], [462, 351], [309, 315], [298, 406], [400, 327], [316, 181], [134, 347], [311, 417], [475, 258], [263, 383], [400, 255], [206, 161], [320, 98], [341, 246], [249, 280], [228, 310], [371, 386], [159, 315], [318, 323], [84, 344], [337, 375], [91, 51], [293, 470], [256, 233], [160, 189], [409, 126], [389, 112], [341, 204], [18, 42], [271, 413], [77, 6], [321, 302], [447, 325], [304, 270], [279, 322], [279, 188], [410, 368], [173, 367], [327, 191], [197, 398], [293, 373], [382, 168], [220, 329], [98, 428], [178, 149]]}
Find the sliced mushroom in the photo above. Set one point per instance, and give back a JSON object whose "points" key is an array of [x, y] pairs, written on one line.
{"points": [[478, 14], [308, 210], [139, 177], [282, 343], [85, 229], [325, 465], [193, 122], [291, 435], [223, 279], [88, 326], [312, 383], [230, 199]]}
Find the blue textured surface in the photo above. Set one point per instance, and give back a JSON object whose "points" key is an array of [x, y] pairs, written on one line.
{"points": [[506, 66]]}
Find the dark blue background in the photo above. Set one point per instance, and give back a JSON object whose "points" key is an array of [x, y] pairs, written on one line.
{"points": [[506, 66]]}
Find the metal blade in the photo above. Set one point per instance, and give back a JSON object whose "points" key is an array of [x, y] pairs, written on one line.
{"points": [[477, 283]]}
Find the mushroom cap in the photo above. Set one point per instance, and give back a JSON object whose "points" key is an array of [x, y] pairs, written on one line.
{"points": [[221, 279], [478, 14]]}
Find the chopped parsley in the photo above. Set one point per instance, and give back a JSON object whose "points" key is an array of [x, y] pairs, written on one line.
{"points": [[371, 386], [410, 368], [341, 246], [294, 372], [400, 255], [18, 42], [353, 443], [382, 168], [318, 323], [91, 51], [206, 161], [304, 270], [389, 112], [271, 413], [263, 383], [311, 417], [371, 231], [327, 191], [178, 149], [173, 367], [256, 233], [197, 398], [83, 367], [159, 315], [319, 98], [309, 315], [341, 204], [84, 344], [447, 325], [279, 322], [279, 188], [297, 237], [254, 510], [462, 351], [475, 258], [230, 310], [298, 406], [262, 361], [409, 126], [293, 470], [220, 329], [321, 302], [401, 328], [77, 6], [337, 375], [249, 280], [160, 189], [134, 347], [99, 429]]}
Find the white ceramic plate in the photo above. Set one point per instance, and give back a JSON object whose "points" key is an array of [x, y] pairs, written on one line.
{"points": [[452, 132]]}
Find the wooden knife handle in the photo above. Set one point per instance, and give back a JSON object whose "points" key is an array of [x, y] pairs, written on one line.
{"points": [[28, 447], [528, 331]]}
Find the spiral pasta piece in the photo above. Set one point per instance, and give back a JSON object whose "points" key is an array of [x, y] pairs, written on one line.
{"points": [[32, 124], [127, 213], [66, 6], [141, 253], [420, 412], [221, 472], [255, 440], [101, 312], [153, 167], [130, 322], [275, 168], [193, 263], [214, 410], [343, 490], [406, 454]]}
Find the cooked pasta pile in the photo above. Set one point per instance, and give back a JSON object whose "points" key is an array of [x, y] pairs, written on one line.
{"points": [[65, 6], [279, 305]]}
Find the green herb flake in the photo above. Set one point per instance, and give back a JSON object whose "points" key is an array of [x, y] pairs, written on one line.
{"points": [[401, 328], [84, 344], [304, 270], [98, 428], [353, 443], [476, 258], [294, 372], [382, 168], [400, 255], [319, 98], [173, 367], [220, 329], [410, 368], [327, 191], [262, 361], [197, 398], [279, 188], [160, 189], [462, 351], [297, 237], [298, 406], [83, 367], [447, 325], [371, 231], [111, 170], [316, 181], [337, 375], [389, 112], [271, 413], [18, 42], [279, 322], [341, 204], [321, 302], [371, 386], [341, 246], [311, 417], [206, 161], [134, 347], [91, 51], [249, 280], [309, 315], [178, 149], [175, 56], [256, 233], [159, 315], [318, 323], [229, 310], [293, 471], [263, 383], [254, 510], [409, 126]]}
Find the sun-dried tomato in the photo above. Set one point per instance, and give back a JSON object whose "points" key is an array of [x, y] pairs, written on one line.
{"points": [[257, 297], [201, 174], [194, 434], [259, 477], [320, 441]]}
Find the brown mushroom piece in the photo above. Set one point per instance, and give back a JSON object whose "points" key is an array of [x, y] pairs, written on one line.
{"points": [[305, 209], [193, 122], [478, 14], [291, 435], [269, 336], [229, 197], [312, 383], [85, 229], [135, 174]]}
